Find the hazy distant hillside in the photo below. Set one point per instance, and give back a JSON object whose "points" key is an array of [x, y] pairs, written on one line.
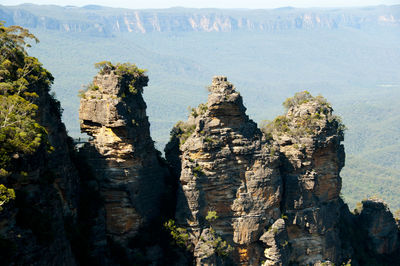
{"points": [[351, 56], [106, 21]]}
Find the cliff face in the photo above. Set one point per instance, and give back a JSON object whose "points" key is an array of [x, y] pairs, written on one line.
{"points": [[105, 21], [121, 153], [46, 185], [272, 195], [382, 230]]}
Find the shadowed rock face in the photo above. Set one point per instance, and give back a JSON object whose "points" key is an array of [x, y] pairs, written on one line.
{"points": [[122, 154], [312, 160], [46, 196], [376, 219]]}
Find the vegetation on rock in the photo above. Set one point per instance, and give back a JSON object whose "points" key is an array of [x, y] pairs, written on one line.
{"points": [[182, 131], [220, 246], [306, 115], [22, 79], [129, 74], [6, 194], [179, 234]]}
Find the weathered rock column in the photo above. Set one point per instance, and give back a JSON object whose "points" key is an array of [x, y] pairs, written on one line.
{"points": [[227, 169], [309, 137], [121, 151], [377, 220]]}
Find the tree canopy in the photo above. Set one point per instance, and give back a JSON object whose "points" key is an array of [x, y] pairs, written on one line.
{"points": [[22, 80]]}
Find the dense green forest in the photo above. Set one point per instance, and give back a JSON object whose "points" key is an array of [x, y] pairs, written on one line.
{"points": [[356, 69]]}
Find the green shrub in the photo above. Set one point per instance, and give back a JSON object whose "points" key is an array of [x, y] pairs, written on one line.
{"points": [[198, 171], [304, 125], [6, 195], [182, 131], [179, 234], [131, 77], [202, 108], [221, 247], [298, 99], [211, 216]]}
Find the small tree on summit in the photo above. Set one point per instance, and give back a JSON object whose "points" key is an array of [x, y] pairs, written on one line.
{"points": [[297, 99]]}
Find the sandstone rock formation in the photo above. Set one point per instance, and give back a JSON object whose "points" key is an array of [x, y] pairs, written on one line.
{"points": [[103, 21], [121, 152], [309, 138], [245, 196], [376, 219], [280, 187], [226, 168], [276, 239]]}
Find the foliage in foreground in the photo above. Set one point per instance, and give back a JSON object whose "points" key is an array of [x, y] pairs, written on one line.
{"points": [[22, 80]]}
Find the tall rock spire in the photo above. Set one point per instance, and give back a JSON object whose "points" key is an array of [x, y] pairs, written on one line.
{"points": [[226, 170], [121, 151]]}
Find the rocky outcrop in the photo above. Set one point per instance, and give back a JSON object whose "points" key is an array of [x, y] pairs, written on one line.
{"points": [[276, 239], [251, 179], [273, 195], [309, 139], [227, 169], [245, 196], [376, 219], [122, 155]]}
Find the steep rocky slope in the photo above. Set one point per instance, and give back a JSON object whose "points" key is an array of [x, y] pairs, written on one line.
{"points": [[46, 185], [376, 219], [36, 161]]}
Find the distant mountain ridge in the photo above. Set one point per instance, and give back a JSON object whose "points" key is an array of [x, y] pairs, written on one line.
{"points": [[105, 20]]}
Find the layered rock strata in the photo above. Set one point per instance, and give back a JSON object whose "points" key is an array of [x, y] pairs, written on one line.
{"points": [[228, 169], [309, 139], [121, 152], [273, 195]]}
